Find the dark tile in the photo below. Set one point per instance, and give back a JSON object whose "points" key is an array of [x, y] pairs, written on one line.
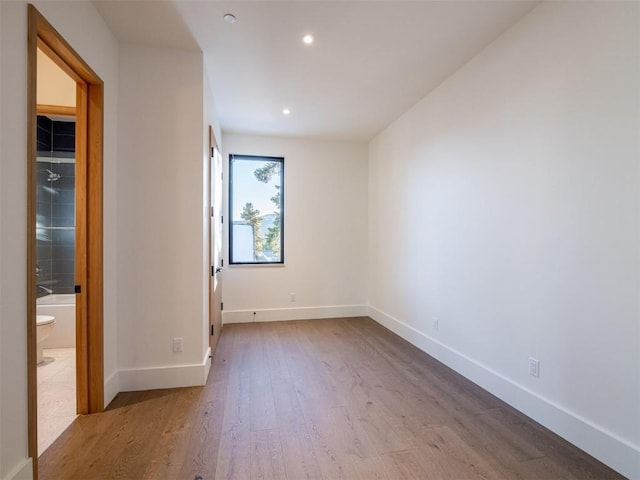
{"points": [[64, 128], [48, 280], [44, 134], [63, 155], [43, 235], [66, 210], [43, 188], [64, 182], [44, 122], [63, 221], [64, 143], [64, 169], [43, 220], [63, 252], [43, 208], [44, 252], [63, 237], [65, 195], [63, 282], [45, 277], [41, 232], [44, 139], [44, 193], [43, 147], [66, 266], [64, 289]]}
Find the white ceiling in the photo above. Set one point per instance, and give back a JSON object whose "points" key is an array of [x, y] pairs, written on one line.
{"points": [[371, 61]]}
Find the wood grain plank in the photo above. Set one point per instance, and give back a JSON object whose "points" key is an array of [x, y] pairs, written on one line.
{"points": [[234, 451], [347, 396], [299, 457], [266, 455], [444, 455], [201, 455], [404, 465], [166, 461]]}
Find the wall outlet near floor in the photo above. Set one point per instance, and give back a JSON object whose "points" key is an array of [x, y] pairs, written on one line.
{"points": [[534, 367], [435, 323], [292, 297], [177, 345]]}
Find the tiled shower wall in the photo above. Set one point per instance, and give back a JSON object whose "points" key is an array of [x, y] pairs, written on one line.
{"points": [[55, 208]]}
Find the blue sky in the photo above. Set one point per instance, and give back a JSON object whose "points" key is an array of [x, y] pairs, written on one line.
{"points": [[247, 188]]}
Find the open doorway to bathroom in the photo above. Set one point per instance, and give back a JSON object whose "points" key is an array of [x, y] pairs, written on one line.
{"points": [[74, 270], [55, 250]]}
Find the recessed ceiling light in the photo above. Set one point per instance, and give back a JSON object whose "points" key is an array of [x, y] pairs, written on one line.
{"points": [[307, 39], [230, 18], [286, 111]]}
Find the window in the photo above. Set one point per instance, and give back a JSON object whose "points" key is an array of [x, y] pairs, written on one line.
{"points": [[256, 209]]}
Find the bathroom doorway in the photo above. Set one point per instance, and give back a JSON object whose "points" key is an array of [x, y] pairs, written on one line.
{"points": [[55, 251], [71, 277]]}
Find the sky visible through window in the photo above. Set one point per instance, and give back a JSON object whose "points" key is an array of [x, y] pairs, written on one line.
{"points": [[247, 188], [256, 187]]}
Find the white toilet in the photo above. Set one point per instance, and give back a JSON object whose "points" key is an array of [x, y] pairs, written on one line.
{"points": [[44, 326]]}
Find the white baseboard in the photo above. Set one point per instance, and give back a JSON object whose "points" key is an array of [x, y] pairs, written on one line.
{"points": [[300, 313], [111, 387], [22, 472], [605, 446], [172, 376], [207, 364]]}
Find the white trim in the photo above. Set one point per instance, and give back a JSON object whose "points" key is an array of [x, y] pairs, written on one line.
{"points": [[207, 364], [111, 387], [172, 376], [610, 449], [299, 313], [22, 472]]}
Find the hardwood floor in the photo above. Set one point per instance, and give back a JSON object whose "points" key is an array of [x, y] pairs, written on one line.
{"points": [[337, 398]]}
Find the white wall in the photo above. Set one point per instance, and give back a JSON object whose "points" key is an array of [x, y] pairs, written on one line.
{"points": [[13, 366], [84, 29], [505, 204], [1, 250], [160, 214], [325, 226]]}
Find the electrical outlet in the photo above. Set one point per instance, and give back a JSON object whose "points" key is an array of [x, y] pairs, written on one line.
{"points": [[292, 296], [177, 345], [534, 367], [436, 323]]}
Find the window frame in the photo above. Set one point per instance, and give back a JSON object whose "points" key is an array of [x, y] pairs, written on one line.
{"points": [[266, 158]]}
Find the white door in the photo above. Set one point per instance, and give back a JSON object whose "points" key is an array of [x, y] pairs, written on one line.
{"points": [[216, 261]]}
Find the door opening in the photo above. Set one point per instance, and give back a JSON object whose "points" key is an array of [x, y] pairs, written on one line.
{"points": [[55, 251], [88, 221], [215, 241]]}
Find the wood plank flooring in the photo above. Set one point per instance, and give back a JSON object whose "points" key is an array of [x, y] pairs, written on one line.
{"points": [[321, 399]]}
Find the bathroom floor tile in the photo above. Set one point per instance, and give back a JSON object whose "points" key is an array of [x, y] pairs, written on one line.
{"points": [[56, 394]]}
